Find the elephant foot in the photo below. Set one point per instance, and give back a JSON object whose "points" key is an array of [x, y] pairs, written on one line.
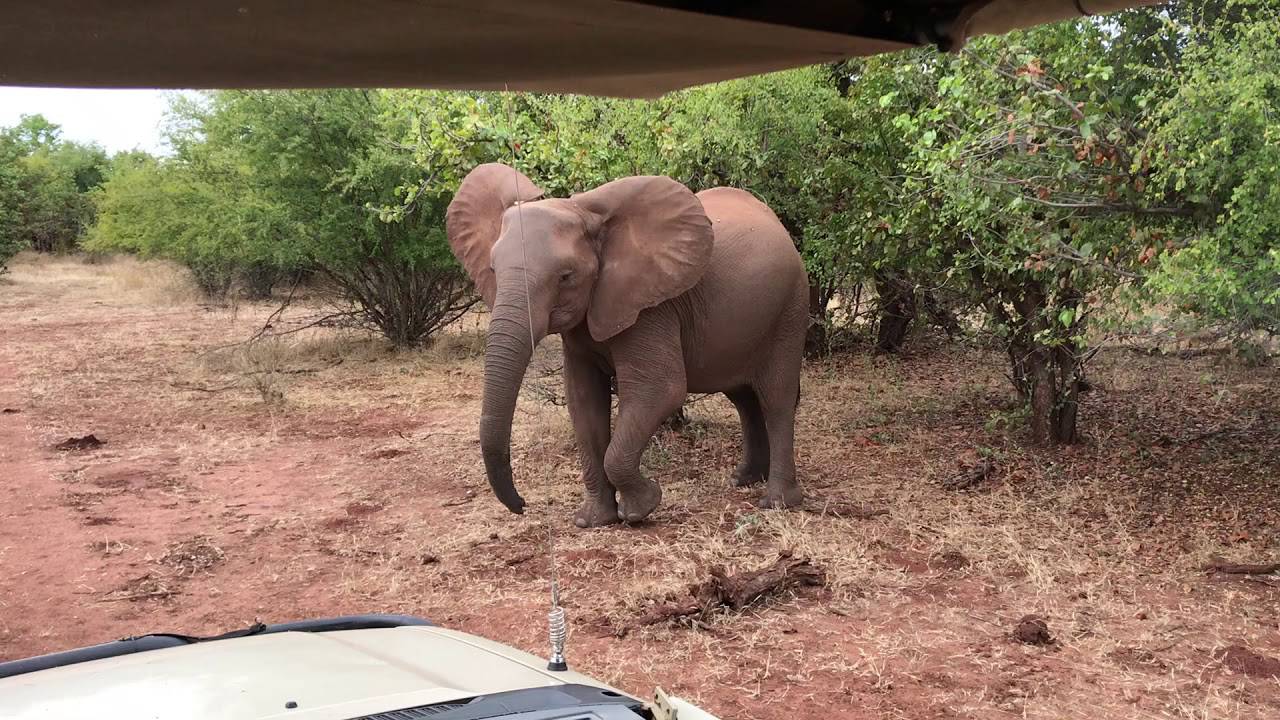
{"points": [[597, 513], [743, 477], [779, 498], [637, 502]]}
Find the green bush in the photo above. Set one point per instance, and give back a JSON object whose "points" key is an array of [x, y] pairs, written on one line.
{"points": [[266, 184], [44, 187], [1037, 185], [1218, 138]]}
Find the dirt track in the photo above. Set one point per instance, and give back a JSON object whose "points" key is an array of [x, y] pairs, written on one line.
{"points": [[362, 491]]}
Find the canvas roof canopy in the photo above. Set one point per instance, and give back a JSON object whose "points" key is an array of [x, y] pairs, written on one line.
{"points": [[603, 47]]}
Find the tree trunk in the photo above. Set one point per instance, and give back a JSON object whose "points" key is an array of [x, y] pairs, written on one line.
{"points": [[1066, 407], [1055, 398], [1020, 366], [1048, 377], [1052, 377], [816, 342], [897, 310], [1042, 397], [939, 314]]}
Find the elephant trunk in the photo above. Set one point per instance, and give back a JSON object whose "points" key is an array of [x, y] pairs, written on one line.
{"points": [[508, 348]]}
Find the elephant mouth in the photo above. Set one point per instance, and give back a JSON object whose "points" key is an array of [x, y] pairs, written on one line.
{"points": [[563, 320]]}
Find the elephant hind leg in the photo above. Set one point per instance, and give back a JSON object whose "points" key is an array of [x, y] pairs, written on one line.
{"points": [[779, 393], [754, 467]]}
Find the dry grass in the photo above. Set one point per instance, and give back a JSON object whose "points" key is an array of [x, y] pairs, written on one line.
{"points": [[332, 346], [156, 282], [188, 557], [457, 343], [365, 491], [261, 365], [1067, 536], [114, 278]]}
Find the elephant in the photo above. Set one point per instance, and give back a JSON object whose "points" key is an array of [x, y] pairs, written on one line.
{"points": [[650, 286]]}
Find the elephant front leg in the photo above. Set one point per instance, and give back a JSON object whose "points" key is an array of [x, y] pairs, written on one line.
{"points": [[587, 389], [642, 406]]}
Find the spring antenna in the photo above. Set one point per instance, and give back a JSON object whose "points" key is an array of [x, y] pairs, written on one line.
{"points": [[557, 623]]}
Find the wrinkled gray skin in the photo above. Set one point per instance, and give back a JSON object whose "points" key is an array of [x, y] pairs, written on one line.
{"points": [[669, 292]]}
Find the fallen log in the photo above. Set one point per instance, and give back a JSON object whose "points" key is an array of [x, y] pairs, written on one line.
{"points": [[970, 476], [1243, 568], [723, 591]]}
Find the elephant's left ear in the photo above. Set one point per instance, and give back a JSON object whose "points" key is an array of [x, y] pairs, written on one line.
{"points": [[655, 244]]}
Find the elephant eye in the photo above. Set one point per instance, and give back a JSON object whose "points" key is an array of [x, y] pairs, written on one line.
{"points": [[565, 276]]}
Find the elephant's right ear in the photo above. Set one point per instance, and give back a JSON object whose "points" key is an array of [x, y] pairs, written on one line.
{"points": [[474, 218]]}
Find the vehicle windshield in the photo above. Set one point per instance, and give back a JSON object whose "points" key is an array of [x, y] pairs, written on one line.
{"points": [[881, 386], [576, 701]]}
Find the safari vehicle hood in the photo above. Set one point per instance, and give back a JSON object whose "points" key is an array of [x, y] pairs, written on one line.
{"points": [[327, 675], [603, 47]]}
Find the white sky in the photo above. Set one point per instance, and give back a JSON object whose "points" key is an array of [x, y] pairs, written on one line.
{"points": [[116, 119]]}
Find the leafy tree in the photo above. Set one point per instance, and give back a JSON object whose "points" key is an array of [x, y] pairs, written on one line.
{"points": [[1024, 169], [265, 182], [1216, 148], [45, 186], [57, 208], [880, 235], [1039, 181], [780, 137], [11, 238], [350, 204], [32, 133], [159, 208]]}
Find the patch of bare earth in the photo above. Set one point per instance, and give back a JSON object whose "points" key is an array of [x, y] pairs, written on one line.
{"points": [[328, 475]]}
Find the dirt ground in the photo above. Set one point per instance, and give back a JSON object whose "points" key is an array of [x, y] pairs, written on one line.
{"points": [[324, 474]]}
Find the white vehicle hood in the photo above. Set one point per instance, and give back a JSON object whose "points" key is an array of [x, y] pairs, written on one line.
{"points": [[329, 675]]}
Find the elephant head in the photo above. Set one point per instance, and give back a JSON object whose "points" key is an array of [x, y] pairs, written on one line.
{"points": [[546, 266]]}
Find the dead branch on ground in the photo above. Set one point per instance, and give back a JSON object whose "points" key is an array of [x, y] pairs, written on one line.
{"points": [[968, 477], [737, 591], [1243, 568]]}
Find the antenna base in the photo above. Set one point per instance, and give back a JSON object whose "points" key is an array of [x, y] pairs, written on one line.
{"points": [[557, 666]]}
